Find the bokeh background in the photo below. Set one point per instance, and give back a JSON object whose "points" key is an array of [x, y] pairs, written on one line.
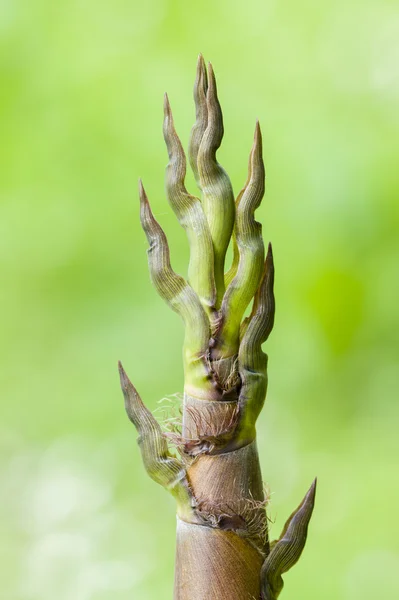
{"points": [[81, 119]]}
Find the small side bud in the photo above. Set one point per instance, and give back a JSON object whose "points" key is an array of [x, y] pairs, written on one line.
{"points": [[286, 551], [160, 465]]}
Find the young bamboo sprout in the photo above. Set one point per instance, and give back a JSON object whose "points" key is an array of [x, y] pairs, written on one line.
{"points": [[223, 550]]}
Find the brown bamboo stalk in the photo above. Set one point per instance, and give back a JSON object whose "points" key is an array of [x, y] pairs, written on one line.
{"points": [[223, 550]]}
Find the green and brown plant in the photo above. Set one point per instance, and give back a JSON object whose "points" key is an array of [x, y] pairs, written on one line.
{"points": [[210, 464]]}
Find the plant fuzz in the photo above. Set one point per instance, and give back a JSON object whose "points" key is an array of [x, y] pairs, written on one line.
{"points": [[223, 550]]}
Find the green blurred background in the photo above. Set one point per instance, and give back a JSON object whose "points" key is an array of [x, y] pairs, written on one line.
{"points": [[81, 119]]}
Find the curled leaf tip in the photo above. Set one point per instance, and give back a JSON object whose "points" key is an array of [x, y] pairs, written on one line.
{"points": [[201, 115], [201, 80], [312, 489], [131, 394], [265, 302], [166, 104], [173, 144], [258, 133], [269, 258], [295, 529], [135, 409], [257, 148], [142, 193], [200, 62], [122, 374], [257, 167], [150, 225], [212, 88], [215, 113]]}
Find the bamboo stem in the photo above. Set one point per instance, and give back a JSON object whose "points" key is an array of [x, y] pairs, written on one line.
{"points": [[215, 564], [223, 550]]}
